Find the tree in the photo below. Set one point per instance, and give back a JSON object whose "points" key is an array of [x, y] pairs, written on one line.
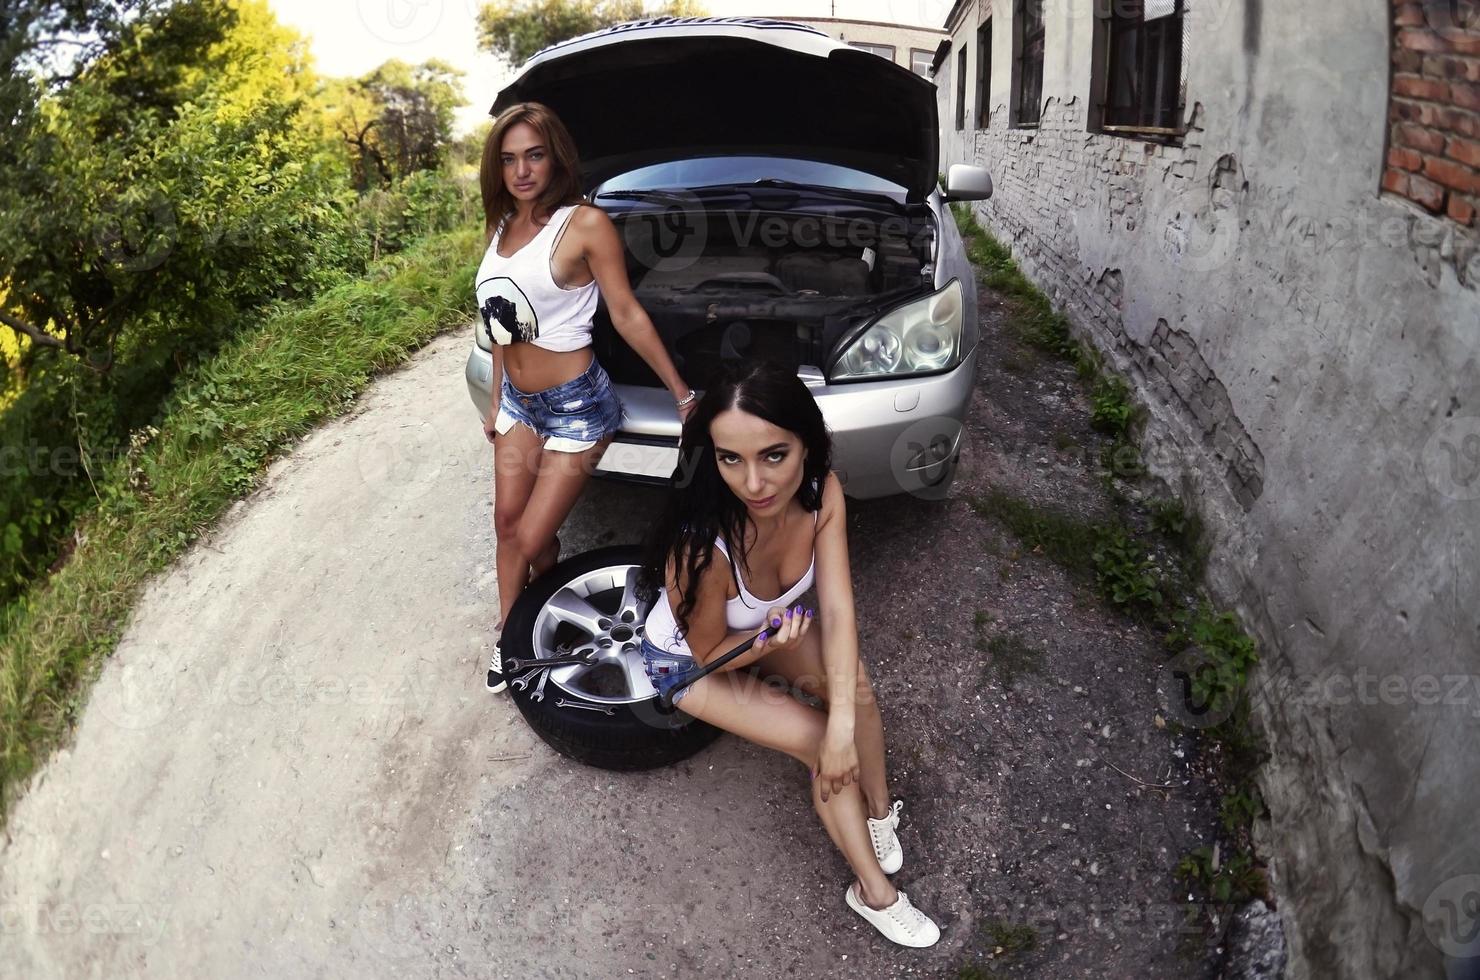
{"points": [[396, 120], [516, 29], [171, 180]]}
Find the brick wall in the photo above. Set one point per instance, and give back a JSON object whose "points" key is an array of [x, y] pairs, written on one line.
{"points": [[1058, 168], [1433, 153]]}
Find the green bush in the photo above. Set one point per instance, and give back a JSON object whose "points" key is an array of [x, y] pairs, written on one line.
{"points": [[268, 386]]}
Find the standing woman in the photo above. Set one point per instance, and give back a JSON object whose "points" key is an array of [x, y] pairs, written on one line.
{"points": [[553, 411], [761, 514]]}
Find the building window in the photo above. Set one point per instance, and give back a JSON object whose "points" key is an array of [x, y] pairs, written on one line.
{"points": [[1027, 67], [885, 51], [983, 73], [961, 88], [1145, 81], [920, 62]]}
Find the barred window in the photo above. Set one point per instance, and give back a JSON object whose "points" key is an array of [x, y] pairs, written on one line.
{"points": [[1027, 29], [961, 88], [983, 73], [1145, 71]]}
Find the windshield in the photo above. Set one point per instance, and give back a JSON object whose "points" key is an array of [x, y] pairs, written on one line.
{"points": [[708, 171]]}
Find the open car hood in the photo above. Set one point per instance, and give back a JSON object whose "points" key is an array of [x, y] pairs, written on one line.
{"points": [[674, 88]]}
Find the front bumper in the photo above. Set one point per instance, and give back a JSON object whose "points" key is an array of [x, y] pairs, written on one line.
{"points": [[889, 437]]}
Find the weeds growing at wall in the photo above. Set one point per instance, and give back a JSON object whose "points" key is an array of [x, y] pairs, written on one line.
{"points": [[1151, 574]]}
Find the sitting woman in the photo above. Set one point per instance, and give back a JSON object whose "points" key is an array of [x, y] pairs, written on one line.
{"points": [[760, 514]]}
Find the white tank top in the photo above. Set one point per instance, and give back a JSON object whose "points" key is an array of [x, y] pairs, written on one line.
{"points": [[743, 613], [519, 301]]}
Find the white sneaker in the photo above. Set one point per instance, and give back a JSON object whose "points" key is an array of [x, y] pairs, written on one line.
{"points": [[900, 923], [886, 842]]}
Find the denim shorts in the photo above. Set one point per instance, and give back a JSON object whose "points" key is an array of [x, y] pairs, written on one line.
{"points": [[667, 670], [570, 417]]}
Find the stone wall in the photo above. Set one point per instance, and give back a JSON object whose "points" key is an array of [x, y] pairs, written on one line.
{"points": [[1308, 350]]}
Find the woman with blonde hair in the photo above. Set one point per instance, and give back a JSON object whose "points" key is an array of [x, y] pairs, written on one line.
{"points": [[553, 411]]}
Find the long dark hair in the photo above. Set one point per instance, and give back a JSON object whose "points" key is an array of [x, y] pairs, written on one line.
{"points": [[701, 507], [565, 179]]}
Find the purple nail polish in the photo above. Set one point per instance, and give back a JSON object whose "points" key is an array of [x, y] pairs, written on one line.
{"points": [[762, 637], [776, 621]]}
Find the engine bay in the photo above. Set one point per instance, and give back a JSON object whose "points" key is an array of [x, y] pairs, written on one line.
{"points": [[775, 285]]}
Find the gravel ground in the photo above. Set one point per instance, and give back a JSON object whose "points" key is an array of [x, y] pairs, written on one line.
{"points": [[378, 814]]}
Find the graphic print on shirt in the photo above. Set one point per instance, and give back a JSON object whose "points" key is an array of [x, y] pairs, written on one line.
{"points": [[508, 315]]}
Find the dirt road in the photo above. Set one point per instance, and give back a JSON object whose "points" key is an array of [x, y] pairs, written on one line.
{"points": [[290, 767]]}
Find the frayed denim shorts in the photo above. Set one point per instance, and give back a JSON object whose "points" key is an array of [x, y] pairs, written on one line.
{"points": [[667, 670], [570, 417]]}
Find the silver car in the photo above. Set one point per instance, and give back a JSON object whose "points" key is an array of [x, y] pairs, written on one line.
{"points": [[777, 195]]}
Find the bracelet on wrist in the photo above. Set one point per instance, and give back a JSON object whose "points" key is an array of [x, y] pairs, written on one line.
{"points": [[687, 399]]}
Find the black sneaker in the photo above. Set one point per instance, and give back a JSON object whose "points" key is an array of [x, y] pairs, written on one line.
{"points": [[496, 683]]}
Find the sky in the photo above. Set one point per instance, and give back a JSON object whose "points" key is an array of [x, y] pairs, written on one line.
{"points": [[351, 37]]}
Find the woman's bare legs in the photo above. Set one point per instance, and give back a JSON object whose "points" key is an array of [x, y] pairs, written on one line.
{"points": [[516, 456], [759, 713], [803, 668], [534, 491]]}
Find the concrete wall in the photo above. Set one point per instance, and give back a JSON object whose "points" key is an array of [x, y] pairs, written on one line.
{"points": [[1308, 349]]}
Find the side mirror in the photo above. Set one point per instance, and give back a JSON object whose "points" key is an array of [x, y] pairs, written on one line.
{"points": [[965, 182]]}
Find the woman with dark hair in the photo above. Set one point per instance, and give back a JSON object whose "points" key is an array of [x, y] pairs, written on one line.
{"points": [[761, 514], [553, 411]]}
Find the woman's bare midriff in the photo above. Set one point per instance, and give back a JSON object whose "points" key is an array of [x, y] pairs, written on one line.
{"points": [[532, 369]]}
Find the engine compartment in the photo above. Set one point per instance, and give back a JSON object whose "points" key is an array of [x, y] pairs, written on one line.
{"points": [[721, 285]]}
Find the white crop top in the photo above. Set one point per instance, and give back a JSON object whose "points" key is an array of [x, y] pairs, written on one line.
{"points": [[519, 301], [743, 613]]}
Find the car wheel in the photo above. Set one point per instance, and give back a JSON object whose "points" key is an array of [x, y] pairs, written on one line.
{"points": [[605, 714]]}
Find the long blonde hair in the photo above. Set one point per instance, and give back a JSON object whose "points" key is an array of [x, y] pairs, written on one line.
{"points": [[565, 179]]}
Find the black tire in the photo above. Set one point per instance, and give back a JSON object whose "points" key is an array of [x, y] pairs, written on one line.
{"points": [[609, 729]]}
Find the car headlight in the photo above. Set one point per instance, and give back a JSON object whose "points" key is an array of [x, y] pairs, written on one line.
{"points": [[919, 337]]}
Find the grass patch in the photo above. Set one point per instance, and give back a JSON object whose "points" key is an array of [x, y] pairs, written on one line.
{"points": [[1063, 441], [1234, 880], [1228, 654], [1009, 939], [1008, 657], [228, 419], [1183, 530], [1239, 809], [1107, 552], [1111, 410]]}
